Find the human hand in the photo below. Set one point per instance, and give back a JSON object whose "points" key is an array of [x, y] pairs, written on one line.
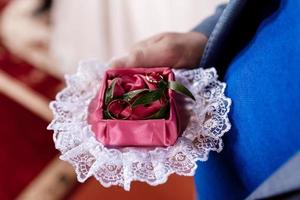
{"points": [[176, 50]]}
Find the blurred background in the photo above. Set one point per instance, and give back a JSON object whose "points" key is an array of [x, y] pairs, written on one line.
{"points": [[40, 41]]}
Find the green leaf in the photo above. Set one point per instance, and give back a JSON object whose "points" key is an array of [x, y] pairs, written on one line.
{"points": [[147, 98], [130, 95], [161, 113], [162, 85], [181, 89], [106, 115], [109, 94]]}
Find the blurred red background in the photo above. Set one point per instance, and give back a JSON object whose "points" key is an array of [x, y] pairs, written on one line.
{"points": [[26, 147]]}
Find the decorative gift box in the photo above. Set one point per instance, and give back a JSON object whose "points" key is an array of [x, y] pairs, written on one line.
{"points": [[96, 138], [136, 129]]}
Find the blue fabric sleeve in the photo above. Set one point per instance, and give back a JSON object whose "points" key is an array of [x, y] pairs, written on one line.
{"points": [[263, 83]]}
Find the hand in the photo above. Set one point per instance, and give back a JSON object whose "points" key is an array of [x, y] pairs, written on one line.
{"points": [[176, 50]]}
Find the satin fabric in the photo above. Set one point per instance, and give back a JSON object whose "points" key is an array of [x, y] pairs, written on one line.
{"points": [[264, 85], [126, 83], [121, 133]]}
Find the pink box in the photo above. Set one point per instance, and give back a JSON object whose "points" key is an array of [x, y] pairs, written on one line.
{"points": [[140, 133]]}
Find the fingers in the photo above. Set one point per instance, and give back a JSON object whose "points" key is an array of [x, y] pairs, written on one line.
{"points": [[138, 57], [134, 59], [148, 55], [174, 50], [118, 61]]}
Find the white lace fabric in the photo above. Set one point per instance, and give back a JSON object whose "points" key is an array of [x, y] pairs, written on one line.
{"points": [[208, 121]]}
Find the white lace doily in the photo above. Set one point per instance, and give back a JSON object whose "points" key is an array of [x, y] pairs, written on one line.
{"points": [[74, 139]]}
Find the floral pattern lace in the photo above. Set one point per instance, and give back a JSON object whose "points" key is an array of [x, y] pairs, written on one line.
{"points": [[208, 121]]}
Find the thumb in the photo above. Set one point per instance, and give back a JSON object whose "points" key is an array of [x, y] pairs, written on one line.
{"points": [[118, 61]]}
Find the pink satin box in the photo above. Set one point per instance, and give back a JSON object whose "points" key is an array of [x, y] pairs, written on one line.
{"points": [[133, 133]]}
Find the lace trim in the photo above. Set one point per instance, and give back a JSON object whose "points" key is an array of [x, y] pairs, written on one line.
{"points": [[208, 121]]}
